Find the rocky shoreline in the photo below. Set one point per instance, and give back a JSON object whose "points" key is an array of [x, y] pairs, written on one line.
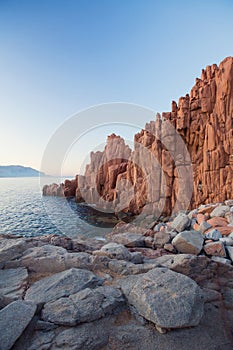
{"points": [[173, 277]]}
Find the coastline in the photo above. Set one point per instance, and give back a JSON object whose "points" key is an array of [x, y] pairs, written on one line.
{"points": [[46, 278]]}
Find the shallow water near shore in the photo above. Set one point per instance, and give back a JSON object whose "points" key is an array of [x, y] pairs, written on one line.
{"points": [[24, 212]]}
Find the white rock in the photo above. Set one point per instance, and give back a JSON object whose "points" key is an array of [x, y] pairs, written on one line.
{"points": [[189, 242], [181, 222], [221, 210]]}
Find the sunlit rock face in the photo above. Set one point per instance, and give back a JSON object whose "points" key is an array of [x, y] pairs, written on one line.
{"points": [[149, 176]]}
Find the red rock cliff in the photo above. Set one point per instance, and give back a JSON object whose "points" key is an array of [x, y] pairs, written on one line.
{"points": [[120, 178]]}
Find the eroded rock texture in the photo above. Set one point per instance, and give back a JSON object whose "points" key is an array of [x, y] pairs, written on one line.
{"points": [[156, 173]]}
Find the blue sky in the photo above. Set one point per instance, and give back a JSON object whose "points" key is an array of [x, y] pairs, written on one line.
{"points": [[61, 56]]}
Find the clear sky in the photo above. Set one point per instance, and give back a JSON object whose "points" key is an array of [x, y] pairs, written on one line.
{"points": [[61, 56]]}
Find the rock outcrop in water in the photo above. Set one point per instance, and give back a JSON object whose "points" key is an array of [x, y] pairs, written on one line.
{"points": [[204, 120]]}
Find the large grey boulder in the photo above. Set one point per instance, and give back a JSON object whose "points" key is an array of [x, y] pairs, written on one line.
{"points": [[50, 259], [166, 298], [13, 283], [14, 318], [85, 306], [47, 258], [61, 285], [181, 222], [83, 337], [129, 239], [188, 242]]}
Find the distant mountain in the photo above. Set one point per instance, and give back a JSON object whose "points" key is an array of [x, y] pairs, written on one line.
{"points": [[18, 171]]}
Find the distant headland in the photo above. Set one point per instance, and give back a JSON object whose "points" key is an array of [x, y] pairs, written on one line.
{"points": [[18, 171]]}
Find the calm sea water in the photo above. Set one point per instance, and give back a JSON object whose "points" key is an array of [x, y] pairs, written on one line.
{"points": [[24, 211]]}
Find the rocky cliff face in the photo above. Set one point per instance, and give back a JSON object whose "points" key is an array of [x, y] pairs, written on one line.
{"points": [[121, 179]]}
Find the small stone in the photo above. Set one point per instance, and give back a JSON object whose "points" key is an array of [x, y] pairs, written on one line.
{"points": [[206, 209], [173, 234], [181, 222], [200, 218], [192, 214], [170, 248], [229, 218], [215, 248], [221, 210], [195, 226], [129, 239], [136, 258], [149, 242], [226, 240], [225, 230], [204, 226], [161, 238], [221, 260], [158, 227], [214, 235], [189, 242], [116, 251]]}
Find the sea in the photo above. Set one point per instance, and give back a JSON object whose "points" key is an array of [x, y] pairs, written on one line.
{"points": [[25, 212]]}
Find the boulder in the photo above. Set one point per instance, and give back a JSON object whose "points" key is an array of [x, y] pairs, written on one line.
{"points": [[214, 235], [85, 306], [221, 260], [226, 240], [217, 221], [221, 211], [87, 336], [166, 298], [14, 318], [61, 285], [161, 238], [215, 248], [11, 249], [189, 242], [129, 239], [230, 252], [13, 283], [204, 226], [115, 251], [47, 258], [181, 222]]}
